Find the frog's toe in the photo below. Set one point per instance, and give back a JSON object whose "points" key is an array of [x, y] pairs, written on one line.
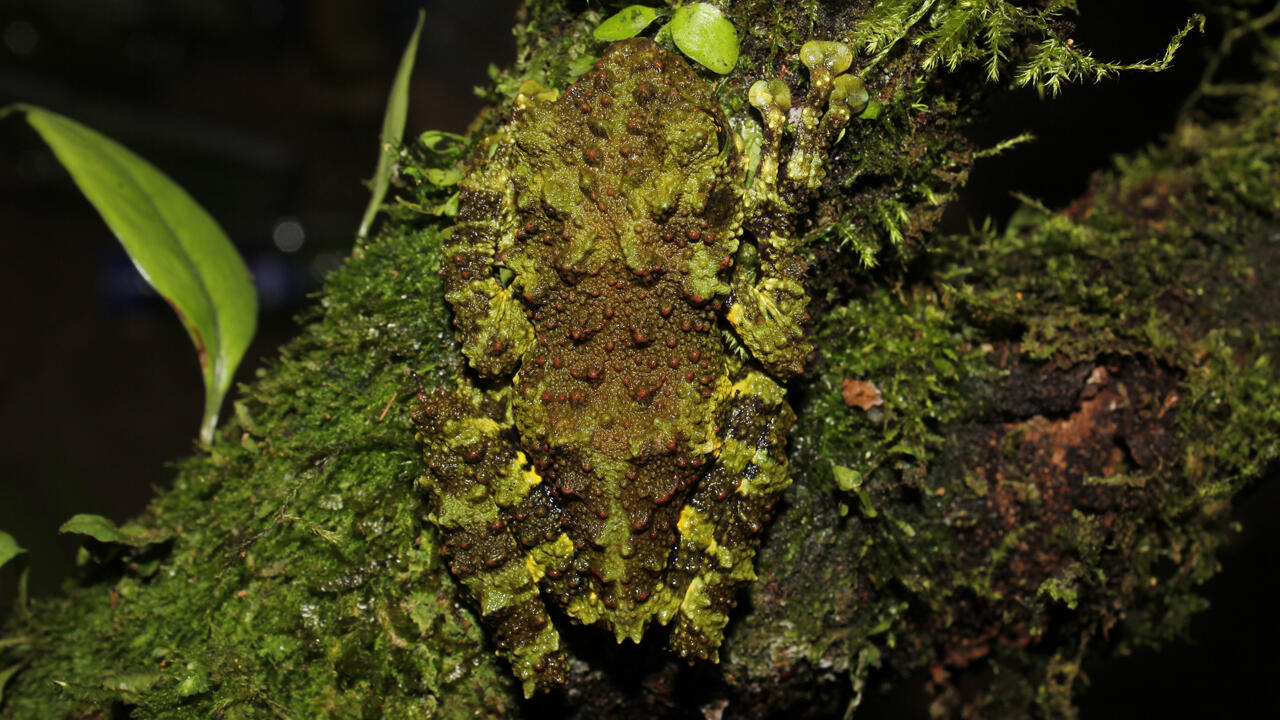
{"points": [[833, 57], [770, 317], [538, 660], [850, 91], [702, 618]]}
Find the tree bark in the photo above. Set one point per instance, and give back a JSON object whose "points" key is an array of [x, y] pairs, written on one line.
{"points": [[1016, 450]]}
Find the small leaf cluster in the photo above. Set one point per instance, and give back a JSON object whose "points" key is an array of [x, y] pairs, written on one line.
{"points": [[698, 29]]}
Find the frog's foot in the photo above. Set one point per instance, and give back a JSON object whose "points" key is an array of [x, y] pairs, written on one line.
{"points": [[769, 304], [833, 98], [476, 475], [769, 315], [718, 527], [842, 95], [490, 320]]}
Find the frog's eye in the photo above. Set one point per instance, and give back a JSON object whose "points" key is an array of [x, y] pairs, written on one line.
{"points": [[723, 136]]}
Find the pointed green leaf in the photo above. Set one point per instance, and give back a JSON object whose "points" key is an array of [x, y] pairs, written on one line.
{"points": [[626, 23], [392, 129], [703, 33], [174, 243], [95, 526], [103, 530], [847, 479], [9, 548]]}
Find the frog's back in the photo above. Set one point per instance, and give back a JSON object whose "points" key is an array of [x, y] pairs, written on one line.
{"points": [[627, 216]]}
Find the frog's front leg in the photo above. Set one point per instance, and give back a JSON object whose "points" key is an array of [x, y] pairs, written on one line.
{"points": [[481, 490], [491, 323], [769, 297], [719, 525]]}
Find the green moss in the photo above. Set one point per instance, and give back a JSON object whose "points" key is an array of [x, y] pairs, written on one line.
{"points": [[300, 574], [938, 534]]}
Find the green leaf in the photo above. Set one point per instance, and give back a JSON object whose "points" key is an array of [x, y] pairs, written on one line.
{"points": [[6, 674], [9, 548], [174, 243], [392, 128], [848, 479], [103, 530], [441, 177], [430, 139], [95, 526], [703, 33], [626, 23]]}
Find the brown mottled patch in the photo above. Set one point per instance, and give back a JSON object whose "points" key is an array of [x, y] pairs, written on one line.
{"points": [[1080, 439]]}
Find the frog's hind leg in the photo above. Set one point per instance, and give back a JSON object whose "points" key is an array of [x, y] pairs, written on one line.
{"points": [[476, 476], [491, 323], [769, 299], [718, 527]]}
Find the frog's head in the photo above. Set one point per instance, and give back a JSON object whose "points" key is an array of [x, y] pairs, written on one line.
{"points": [[638, 156]]}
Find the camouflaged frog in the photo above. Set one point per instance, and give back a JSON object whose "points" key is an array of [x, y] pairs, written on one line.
{"points": [[620, 459]]}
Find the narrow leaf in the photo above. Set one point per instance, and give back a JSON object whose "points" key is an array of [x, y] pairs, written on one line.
{"points": [[175, 244], [5, 676], [9, 548], [703, 33], [626, 23], [392, 129]]}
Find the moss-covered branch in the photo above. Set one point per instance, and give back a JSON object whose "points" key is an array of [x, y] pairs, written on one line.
{"points": [[1015, 451]]}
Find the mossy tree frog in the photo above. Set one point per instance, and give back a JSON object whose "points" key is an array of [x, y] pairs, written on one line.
{"points": [[615, 457]]}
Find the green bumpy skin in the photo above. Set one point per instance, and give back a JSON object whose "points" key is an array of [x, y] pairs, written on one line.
{"points": [[622, 461]]}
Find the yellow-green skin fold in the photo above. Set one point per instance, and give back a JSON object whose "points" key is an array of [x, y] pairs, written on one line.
{"points": [[621, 462]]}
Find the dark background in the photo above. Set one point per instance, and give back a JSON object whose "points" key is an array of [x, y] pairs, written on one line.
{"points": [[268, 112]]}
